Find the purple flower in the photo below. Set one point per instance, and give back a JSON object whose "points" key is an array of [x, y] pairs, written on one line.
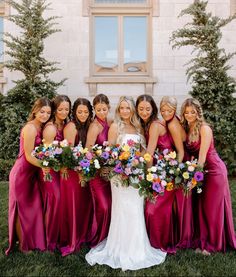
{"points": [[105, 155], [165, 151], [198, 176], [156, 187], [118, 168], [85, 163]]}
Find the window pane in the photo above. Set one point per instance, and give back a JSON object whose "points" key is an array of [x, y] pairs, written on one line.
{"points": [[1, 42], [106, 43], [135, 43], [120, 1]]}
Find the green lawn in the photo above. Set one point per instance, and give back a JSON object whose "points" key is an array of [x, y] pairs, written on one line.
{"points": [[184, 263]]}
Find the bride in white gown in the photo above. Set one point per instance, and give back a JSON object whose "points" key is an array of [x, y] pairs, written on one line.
{"points": [[127, 245]]}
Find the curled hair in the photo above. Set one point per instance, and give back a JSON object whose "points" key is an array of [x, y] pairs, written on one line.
{"points": [[192, 102], [56, 101], [154, 115], [170, 101], [82, 127], [101, 98], [134, 121], [38, 104]]}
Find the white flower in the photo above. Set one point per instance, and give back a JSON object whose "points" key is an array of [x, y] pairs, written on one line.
{"points": [[153, 169], [96, 164], [45, 163], [141, 159], [64, 143], [199, 190], [190, 168], [55, 142]]}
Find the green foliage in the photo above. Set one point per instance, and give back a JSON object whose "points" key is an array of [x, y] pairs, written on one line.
{"points": [[208, 72], [183, 263], [5, 167], [26, 53]]}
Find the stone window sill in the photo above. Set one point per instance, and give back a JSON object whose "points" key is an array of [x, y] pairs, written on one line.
{"points": [[148, 82]]}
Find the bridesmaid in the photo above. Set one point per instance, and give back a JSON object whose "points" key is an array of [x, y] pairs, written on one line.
{"points": [[163, 219], [25, 219], [53, 130], [213, 217], [100, 189], [76, 203]]}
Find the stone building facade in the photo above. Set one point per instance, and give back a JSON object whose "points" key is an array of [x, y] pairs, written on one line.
{"points": [[98, 42]]}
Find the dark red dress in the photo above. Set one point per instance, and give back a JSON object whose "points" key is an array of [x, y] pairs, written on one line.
{"points": [[25, 202], [101, 196], [75, 212], [213, 219], [51, 203], [169, 220]]}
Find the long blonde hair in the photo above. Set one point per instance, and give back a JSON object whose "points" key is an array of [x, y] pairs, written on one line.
{"points": [[192, 102], [170, 101], [134, 121]]}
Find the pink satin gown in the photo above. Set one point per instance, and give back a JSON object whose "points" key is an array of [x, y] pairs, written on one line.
{"points": [[213, 218], [75, 213], [51, 204], [25, 202], [101, 197], [169, 220]]}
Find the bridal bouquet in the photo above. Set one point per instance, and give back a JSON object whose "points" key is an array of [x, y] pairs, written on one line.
{"points": [[126, 162], [87, 163], [48, 155], [192, 176]]}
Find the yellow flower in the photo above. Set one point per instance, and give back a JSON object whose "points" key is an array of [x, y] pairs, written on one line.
{"points": [[186, 175], [147, 157], [124, 156], [84, 150], [126, 148], [149, 177], [99, 152], [172, 155], [169, 186]]}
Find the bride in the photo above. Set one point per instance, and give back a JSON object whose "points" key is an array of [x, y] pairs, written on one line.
{"points": [[127, 245]]}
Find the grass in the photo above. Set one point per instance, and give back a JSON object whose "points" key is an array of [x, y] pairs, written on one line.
{"points": [[184, 263]]}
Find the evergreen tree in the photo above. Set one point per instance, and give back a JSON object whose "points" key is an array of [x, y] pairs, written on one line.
{"points": [[26, 56], [208, 72]]}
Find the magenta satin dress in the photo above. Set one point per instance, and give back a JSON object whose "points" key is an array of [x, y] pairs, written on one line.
{"points": [[75, 213], [51, 203], [213, 218], [26, 202], [101, 196], [169, 220]]}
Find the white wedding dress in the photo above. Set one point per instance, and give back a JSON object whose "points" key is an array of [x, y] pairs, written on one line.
{"points": [[127, 245]]}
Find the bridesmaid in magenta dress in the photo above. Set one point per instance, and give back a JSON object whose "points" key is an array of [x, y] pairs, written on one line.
{"points": [[25, 219], [213, 211], [168, 224], [100, 189], [53, 130], [76, 202]]}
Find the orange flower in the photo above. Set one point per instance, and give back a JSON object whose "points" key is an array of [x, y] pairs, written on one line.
{"points": [[169, 186]]}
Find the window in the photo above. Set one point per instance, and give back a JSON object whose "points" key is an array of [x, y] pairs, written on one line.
{"points": [[232, 7], [121, 42]]}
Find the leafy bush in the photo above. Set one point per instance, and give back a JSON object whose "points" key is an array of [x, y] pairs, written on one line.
{"points": [[5, 167]]}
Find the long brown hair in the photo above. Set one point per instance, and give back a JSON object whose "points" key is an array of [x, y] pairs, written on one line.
{"points": [[38, 104], [154, 115], [56, 101], [82, 128], [192, 102]]}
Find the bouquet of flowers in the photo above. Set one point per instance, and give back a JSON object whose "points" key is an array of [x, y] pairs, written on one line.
{"points": [[163, 175], [192, 176], [124, 161], [87, 163], [49, 157], [66, 158]]}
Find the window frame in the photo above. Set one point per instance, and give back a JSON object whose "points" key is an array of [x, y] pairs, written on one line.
{"points": [[148, 9]]}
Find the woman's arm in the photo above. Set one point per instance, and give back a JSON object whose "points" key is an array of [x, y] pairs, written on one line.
{"points": [[152, 142], [69, 133], [176, 130], [29, 134], [206, 137], [49, 133], [112, 134], [92, 134]]}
